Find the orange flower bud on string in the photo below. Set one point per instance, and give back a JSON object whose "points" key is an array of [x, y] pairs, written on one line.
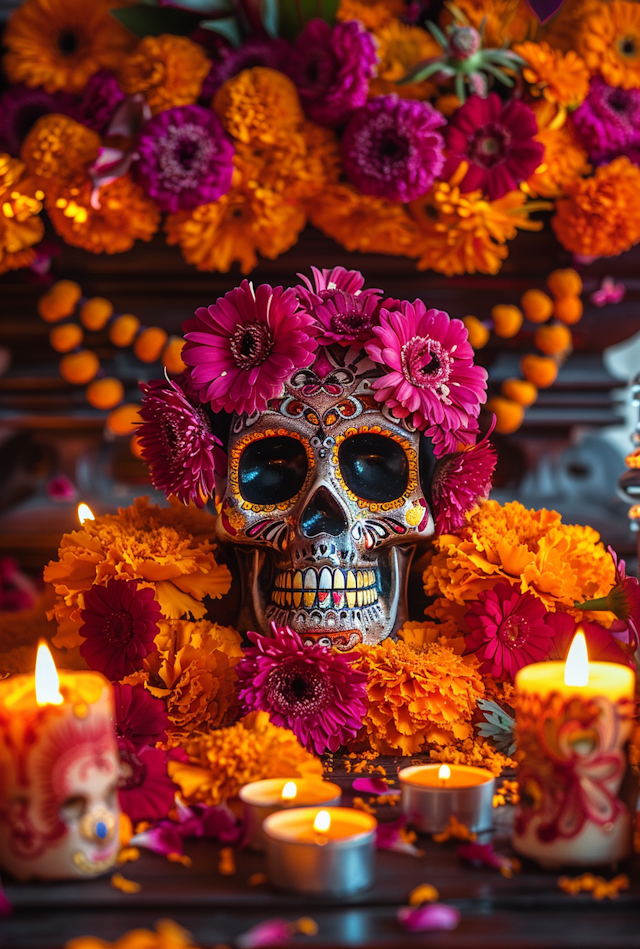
{"points": [[124, 420], [124, 330], [96, 313], [105, 393], [541, 370], [79, 368], [172, 355], [478, 332], [565, 283], [60, 301], [135, 447], [66, 337], [552, 340], [509, 414], [507, 320], [568, 309], [520, 390], [149, 344], [537, 306]]}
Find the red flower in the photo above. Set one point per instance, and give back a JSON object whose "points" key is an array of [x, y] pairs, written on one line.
{"points": [[498, 142], [140, 717], [459, 482], [120, 623], [145, 789], [508, 630], [623, 599], [602, 645]]}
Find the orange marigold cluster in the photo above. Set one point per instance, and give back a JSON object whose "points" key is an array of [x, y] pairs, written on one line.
{"points": [[502, 21], [20, 224], [600, 216], [564, 157], [168, 935], [558, 77], [169, 70], [167, 548], [58, 149], [417, 697], [608, 39], [400, 48], [364, 223], [259, 105], [372, 13]]}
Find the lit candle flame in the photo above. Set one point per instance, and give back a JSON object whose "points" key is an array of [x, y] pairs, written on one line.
{"points": [[47, 681], [289, 791], [322, 822], [576, 668], [85, 513], [444, 772]]}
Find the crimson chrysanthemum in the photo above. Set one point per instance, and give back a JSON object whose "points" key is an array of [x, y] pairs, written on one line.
{"points": [[316, 694], [429, 372], [140, 717], [241, 349], [343, 311], [460, 481], [508, 630], [177, 443], [497, 141], [119, 624], [145, 789]]}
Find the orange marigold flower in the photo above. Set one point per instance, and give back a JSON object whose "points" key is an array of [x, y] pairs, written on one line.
{"points": [[60, 44], [193, 670], [167, 935], [259, 105], [564, 160], [222, 761], [167, 548], [363, 222], [400, 48], [600, 216], [561, 78], [20, 225], [565, 283], [168, 69], [552, 339], [421, 635], [59, 148], [372, 13], [125, 215], [520, 390], [509, 414], [559, 563], [417, 696], [609, 42], [505, 21], [478, 332], [466, 233], [540, 370]]}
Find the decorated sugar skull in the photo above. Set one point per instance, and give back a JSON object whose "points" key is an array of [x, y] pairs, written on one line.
{"points": [[348, 413]]}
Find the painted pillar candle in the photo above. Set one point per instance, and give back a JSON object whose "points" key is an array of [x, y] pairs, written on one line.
{"points": [[572, 723], [262, 798], [59, 814]]}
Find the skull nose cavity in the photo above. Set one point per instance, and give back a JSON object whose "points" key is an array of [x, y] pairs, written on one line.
{"points": [[322, 515]]}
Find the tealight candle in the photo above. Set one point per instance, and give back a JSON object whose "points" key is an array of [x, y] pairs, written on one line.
{"points": [[573, 720], [330, 851], [432, 793], [262, 798], [59, 815]]}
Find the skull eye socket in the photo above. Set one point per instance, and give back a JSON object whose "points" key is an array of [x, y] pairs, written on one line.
{"points": [[374, 467], [73, 808], [272, 470]]}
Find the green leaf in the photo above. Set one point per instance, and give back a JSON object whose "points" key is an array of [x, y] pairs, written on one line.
{"points": [[295, 14], [143, 20], [227, 27]]}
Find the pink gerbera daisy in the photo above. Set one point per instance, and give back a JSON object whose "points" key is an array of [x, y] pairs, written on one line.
{"points": [[429, 371], [459, 482], [343, 310], [145, 789], [177, 443], [497, 140], [140, 717], [508, 630], [119, 625], [243, 348], [315, 693]]}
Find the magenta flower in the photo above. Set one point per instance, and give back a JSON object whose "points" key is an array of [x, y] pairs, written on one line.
{"points": [[508, 630], [119, 625], [608, 121], [392, 835], [343, 311], [483, 855], [319, 696], [391, 148], [243, 347], [603, 644], [140, 717], [101, 97], [185, 158], [254, 51], [429, 372], [61, 489], [429, 917], [460, 481], [332, 66], [145, 789], [623, 599], [271, 932], [177, 443], [498, 142], [17, 590], [21, 107]]}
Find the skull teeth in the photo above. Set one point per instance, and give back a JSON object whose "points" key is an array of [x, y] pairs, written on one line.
{"points": [[325, 588]]}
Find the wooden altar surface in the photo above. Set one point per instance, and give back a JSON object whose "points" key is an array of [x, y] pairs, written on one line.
{"points": [[528, 911]]}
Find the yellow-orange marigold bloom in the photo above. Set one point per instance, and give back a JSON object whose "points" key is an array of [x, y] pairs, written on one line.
{"points": [[124, 420], [537, 306], [105, 393], [169, 70], [552, 339], [259, 105], [600, 216], [168, 936], [59, 301], [193, 670], [520, 390], [417, 697], [95, 313], [79, 368], [541, 370], [562, 78], [150, 343], [167, 548], [172, 355], [564, 160], [559, 563], [568, 309], [565, 283], [222, 761], [20, 225], [609, 42], [400, 48], [372, 13], [66, 337], [466, 233], [60, 44], [507, 320], [125, 215], [509, 414], [363, 222], [58, 149], [421, 635], [123, 330], [505, 21], [478, 332]]}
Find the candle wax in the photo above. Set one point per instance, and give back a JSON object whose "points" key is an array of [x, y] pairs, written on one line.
{"points": [[345, 823], [462, 776], [268, 793], [605, 678]]}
